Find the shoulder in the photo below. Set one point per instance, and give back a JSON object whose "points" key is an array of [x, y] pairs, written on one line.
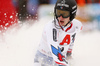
{"points": [[77, 22], [48, 26], [78, 25]]}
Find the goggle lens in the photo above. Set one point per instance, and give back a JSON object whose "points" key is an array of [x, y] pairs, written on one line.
{"points": [[64, 14]]}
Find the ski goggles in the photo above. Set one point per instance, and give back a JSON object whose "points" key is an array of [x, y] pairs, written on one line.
{"points": [[64, 14]]}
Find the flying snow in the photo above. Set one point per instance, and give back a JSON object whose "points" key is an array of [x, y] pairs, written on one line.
{"points": [[19, 44]]}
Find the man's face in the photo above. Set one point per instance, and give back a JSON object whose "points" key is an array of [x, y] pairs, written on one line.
{"points": [[63, 21], [63, 17]]}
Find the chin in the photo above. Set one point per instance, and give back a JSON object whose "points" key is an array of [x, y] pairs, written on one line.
{"points": [[62, 25]]}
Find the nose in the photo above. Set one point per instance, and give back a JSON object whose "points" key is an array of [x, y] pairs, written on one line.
{"points": [[61, 17]]}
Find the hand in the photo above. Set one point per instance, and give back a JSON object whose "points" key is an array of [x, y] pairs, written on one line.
{"points": [[69, 54]]}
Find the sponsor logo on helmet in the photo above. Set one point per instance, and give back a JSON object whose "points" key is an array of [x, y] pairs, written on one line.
{"points": [[66, 5], [61, 7]]}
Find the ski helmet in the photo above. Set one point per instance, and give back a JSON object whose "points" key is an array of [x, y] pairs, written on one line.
{"points": [[66, 5]]}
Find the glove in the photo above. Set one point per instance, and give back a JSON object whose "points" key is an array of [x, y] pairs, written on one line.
{"points": [[69, 54]]}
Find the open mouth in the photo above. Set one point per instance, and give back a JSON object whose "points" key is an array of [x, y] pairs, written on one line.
{"points": [[62, 21]]}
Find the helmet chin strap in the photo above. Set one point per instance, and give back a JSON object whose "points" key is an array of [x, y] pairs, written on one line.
{"points": [[67, 23]]}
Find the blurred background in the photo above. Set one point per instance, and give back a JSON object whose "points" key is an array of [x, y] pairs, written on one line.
{"points": [[22, 22], [13, 11]]}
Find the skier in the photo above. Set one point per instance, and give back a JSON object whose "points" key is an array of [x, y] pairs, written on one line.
{"points": [[58, 36]]}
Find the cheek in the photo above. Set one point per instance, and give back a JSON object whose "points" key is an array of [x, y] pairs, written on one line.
{"points": [[58, 19], [67, 19]]}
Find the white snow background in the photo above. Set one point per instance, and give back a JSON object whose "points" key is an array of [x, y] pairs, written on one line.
{"points": [[18, 45]]}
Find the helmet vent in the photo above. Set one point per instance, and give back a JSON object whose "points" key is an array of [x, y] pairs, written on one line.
{"points": [[63, 1], [74, 7], [74, 11]]}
